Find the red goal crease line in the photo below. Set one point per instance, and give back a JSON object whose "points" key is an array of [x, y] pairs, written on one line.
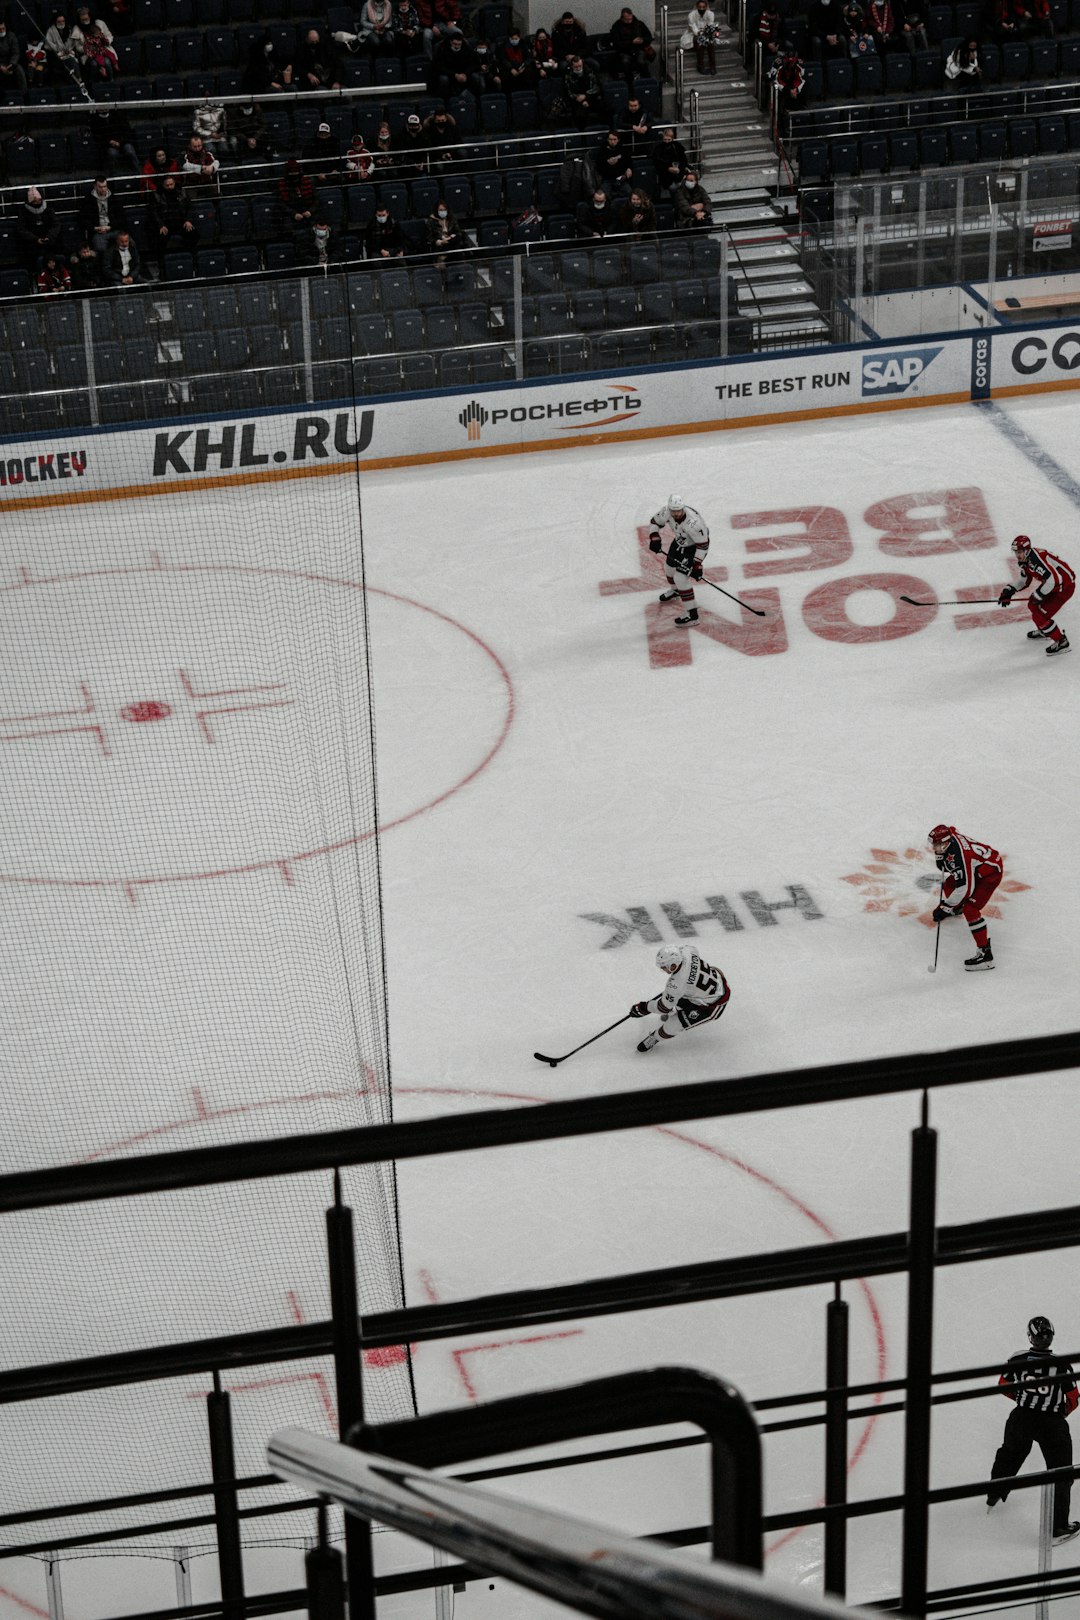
{"points": [[597, 436]]}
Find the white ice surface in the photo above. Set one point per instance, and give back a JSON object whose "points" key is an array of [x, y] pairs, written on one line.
{"points": [[604, 783]]}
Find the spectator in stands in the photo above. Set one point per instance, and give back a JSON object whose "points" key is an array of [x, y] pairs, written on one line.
{"points": [[701, 35], [172, 229], [828, 37], [384, 155], [198, 164], [636, 216], [12, 72], [123, 267], [114, 138], [453, 68], [296, 197], [359, 163], [488, 68], [1042, 19], [93, 40], [441, 134], [613, 163], [156, 167], [316, 244], [1007, 19], [860, 41], [963, 64], [669, 158], [636, 128], [692, 205], [317, 63], [911, 31], [260, 69], [101, 215], [208, 122], [376, 26], [568, 37], [63, 58], [36, 64], [438, 20], [53, 277], [414, 146], [87, 270], [119, 17], [515, 62], [789, 77], [38, 227], [322, 156], [444, 234], [581, 99], [408, 34], [882, 20], [768, 30], [631, 40], [247, 137], [595, 215], [545, 61], [385, 238]]}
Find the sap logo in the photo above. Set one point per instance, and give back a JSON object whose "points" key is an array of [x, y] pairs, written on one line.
{"points": [[894, 373]]}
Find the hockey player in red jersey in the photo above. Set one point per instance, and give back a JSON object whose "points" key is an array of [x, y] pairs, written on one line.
{"points": [[1053, 581], [970, 874], [694, 994]]}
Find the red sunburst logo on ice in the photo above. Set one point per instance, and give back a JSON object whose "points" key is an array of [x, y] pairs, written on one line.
{"points": [[907, 883]]}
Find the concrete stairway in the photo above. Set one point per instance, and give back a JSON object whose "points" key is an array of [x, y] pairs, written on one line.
{"points": [[736, 148]]}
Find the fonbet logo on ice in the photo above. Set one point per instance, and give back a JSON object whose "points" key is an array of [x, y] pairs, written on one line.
{"points": [[621, 402], [907, 883], [884, 374]]}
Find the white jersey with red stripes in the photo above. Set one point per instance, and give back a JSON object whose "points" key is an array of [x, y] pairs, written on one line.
{"points": [[963, 863], [690, 535], [1045, 571]]}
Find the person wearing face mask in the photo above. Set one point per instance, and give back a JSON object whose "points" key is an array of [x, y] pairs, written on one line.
{"points": [[444, 234], [385, 238], [701, 35], [12, 72], [669, 159], [316, 245], [516, 62], [595, 215], [488, 68], [692, 204], [296, 198]]}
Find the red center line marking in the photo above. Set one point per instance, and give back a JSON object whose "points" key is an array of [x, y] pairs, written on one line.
{"points": [[52, 714], [227, 691]]}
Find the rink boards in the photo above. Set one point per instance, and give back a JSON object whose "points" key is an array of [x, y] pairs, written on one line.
{"points": [[545, 414]]}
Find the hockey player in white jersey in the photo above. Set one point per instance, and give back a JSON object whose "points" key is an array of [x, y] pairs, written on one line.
{"points": [[695, 993], [685, 554]]}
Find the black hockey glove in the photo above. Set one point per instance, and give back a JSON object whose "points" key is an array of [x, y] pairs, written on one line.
{"points": [[940, 913], [654, 541], [640, 1009], [1007, 595], [695, 570]]}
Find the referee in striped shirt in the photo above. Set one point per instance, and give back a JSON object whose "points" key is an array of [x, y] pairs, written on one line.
{"points": [[1043, 1392]]}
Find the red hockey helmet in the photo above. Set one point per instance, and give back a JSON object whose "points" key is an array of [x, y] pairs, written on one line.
{"points": [[1021, 546], [941, 834]]}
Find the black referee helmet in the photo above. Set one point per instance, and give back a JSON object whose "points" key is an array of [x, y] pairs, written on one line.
{"points": [[1041, 1332]]}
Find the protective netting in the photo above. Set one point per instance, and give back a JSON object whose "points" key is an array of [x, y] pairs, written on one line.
{"points": [[192, 954]]}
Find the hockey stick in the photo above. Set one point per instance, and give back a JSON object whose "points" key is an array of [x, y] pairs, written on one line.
{"points": [[541, 1057], [759, 611], [937, 937], [976, 601]]}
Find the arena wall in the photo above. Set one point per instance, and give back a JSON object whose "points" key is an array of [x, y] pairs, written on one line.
{"points": [[547, 414]]}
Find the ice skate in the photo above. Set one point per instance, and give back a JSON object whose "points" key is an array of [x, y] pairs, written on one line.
{"points": [[1054, 647], [1067, 1534], [980, 961], [669, 595], [1036, 635], [689, 617], [649, 1042]]}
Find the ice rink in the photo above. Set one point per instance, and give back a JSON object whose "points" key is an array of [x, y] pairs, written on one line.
{"points": [[566, 780]]}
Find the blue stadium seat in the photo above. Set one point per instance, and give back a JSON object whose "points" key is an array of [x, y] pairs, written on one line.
{"points": [[933, 148], [647, 92], [244, 259], [211, 262], [494, 21], [690, 300], [220, 47], [158, 54], [813, 162], [517, 190], [929, 70], [898, 72], [607, 263], [903, 150], [840, 79], [395, 289], [457, 190], [1069, 58], [843, 158], [869, 76], [1015, 59], [815, 80], [873, 154], [54, 154], [552, 314], [474, 323], [1023, 138], [233, 350], [657, 303], [177, 267], [188, 52], [1044, 58], [388, 70], [963, 143], [939, 23], [524, 110], [211, 13], [360, 205], [642, 263], [440, 327], [540, 273], [423, 196], [622, 306], [487, 193], [407, 326], [494, 114], [279, 256], [993, 140], [493, 233], [1052, 134], [22, 158]]}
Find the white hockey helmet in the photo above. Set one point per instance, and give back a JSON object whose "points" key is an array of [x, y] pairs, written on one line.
{"points": [[669, 958], [675, 504]]}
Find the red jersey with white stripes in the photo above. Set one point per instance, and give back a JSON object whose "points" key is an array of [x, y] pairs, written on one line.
{"points": [[964, 862], [1045, 571]]}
